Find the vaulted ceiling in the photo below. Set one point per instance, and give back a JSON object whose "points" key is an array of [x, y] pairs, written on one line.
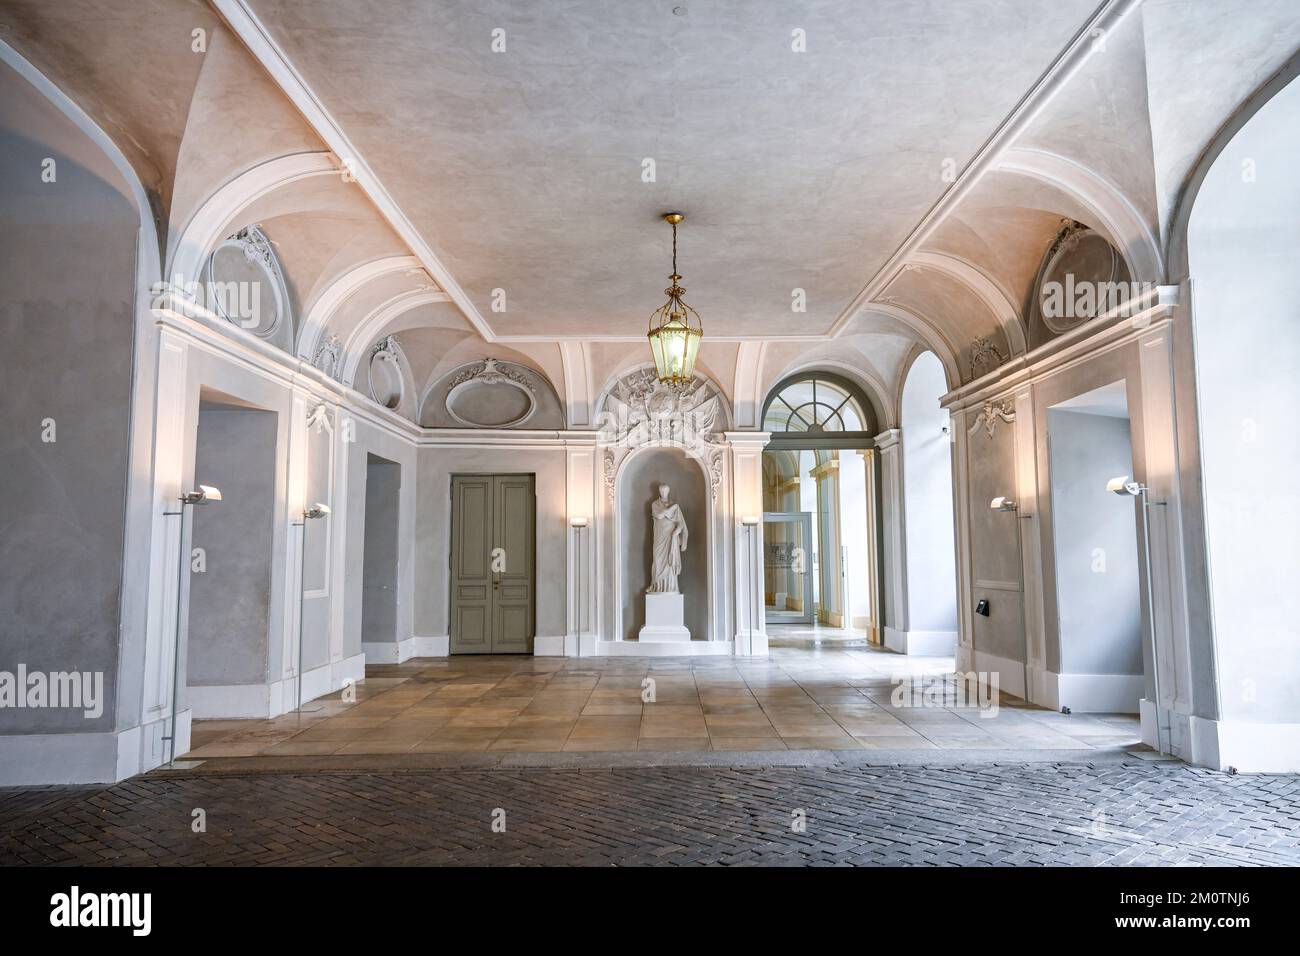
{"points": [[900, 167], [523, 166]]}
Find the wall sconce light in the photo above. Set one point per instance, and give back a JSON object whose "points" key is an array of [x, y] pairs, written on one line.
{"points": [[580, 522], [202, 496], [1124, 485], [317, 510], [205, 494], [1003, 503], [750, 520]]}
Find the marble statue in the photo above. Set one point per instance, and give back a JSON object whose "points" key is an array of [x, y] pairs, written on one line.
{"points": [[669, 542]]}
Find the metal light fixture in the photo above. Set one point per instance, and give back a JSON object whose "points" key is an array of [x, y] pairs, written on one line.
{"points": [[675, 328], [1003, 503], [318, 510], [1126, 487], [201, 496], [577, 523]]}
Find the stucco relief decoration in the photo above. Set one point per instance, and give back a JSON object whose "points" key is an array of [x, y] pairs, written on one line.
{"points": [[715, 473], [610, 475], [327, 356], [984, 357], [1082, 276], [640, 411], [318, 419], [385, 373], [991, 414], [491, 394], [246, 287]]}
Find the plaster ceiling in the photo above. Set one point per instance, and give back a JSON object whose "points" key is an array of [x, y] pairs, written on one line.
{"points": [[523, 168]]}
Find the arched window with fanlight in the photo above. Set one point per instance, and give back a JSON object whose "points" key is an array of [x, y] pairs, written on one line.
{"points": [[821, 502], [818, 410]]}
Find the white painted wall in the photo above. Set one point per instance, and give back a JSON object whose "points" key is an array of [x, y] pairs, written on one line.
{"points": [[1244, 261], [927, 501]]}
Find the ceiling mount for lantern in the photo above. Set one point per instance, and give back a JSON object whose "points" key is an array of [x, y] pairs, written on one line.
{"points": [[675, 328]]}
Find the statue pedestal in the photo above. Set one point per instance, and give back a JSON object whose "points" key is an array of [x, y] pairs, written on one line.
{"points": [[664, 614]]}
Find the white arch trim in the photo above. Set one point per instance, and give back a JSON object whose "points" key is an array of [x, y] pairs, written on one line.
{"points": [[1115, 214], [317, 321], [374, 324], [204, 230], [927, 333], [990, 293]]}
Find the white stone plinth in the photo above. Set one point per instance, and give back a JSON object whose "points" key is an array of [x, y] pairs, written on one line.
{"points": [[664, 616]]}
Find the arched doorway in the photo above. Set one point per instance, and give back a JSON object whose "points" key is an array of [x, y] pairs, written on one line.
{"points": [[1243, 257], [821, 508]]}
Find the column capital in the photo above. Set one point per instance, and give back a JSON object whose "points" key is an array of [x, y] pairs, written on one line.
{"points": [[889, 438], [747, 438]]}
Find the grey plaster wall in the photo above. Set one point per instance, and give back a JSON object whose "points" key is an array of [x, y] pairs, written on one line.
{"points": [[995, 551], [638, 487], [1096, 545], [433, 524], [229, 603], [370, 440], [379, 581], [67, 261]]}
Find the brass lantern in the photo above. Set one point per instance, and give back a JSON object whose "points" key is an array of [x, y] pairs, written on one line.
{"points": [[675, 328]]}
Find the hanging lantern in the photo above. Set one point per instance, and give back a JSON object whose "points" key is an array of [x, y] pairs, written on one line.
{"points": [[675, 328]]}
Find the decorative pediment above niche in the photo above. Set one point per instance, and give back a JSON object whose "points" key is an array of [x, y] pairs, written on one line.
{"points": [[641, 410]]}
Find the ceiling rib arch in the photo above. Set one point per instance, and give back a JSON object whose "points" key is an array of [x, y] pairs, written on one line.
{"points": [[316, 324], [377, 322], [1115, 215], [993, 296], [212, 218]]}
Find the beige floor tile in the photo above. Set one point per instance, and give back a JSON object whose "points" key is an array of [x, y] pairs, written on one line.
{"points": [[896, 743], [444, 745], [587, 727], [834, 742], [652, 727], [528, 744], [304, 748], [600, 744], [671, 744], [747, 743], [612, 709], [731, 726]]}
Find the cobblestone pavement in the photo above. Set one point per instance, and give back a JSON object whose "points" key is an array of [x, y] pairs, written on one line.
{"points": [[1066, 813]]}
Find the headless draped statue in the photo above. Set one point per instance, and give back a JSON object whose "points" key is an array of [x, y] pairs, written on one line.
{"points": [[669, 543]]}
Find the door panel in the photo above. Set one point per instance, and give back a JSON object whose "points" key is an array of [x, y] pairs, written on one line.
{"points": [[471, 554], [513, 593], [492, 590]]}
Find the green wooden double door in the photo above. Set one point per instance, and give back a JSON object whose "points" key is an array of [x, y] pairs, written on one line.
{"points": [[493, 537]]}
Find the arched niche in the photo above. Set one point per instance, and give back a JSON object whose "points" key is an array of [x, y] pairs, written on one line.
{"points": [[643, 471], [492, 393]]}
